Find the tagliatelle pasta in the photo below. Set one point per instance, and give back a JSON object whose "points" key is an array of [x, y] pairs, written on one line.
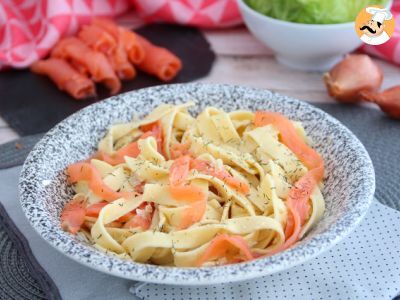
{"points": [[177, 190]]}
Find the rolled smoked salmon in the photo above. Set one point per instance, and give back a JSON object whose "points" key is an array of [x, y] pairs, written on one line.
{"points": [[126, 37], [74, 50], [134, 49], [159, 61], [120, 63], [65, 77], [97, 38], [108, 25], [100, 40], [106, 53]]}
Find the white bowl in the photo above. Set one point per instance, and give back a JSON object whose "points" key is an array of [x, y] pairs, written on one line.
{"points": [[348, 187], [308, 47]]}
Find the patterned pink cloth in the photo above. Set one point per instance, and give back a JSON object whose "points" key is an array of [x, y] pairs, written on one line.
{"points": [[201, 13], [30, 28], [391, 49]]}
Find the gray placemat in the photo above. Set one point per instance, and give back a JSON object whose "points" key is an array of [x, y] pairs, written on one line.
{"points": [[73, 280], [381, 137], [379, 134], [14, 153], [21, 276]]}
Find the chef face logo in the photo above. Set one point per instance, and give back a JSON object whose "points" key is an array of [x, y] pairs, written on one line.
{"points": [[375, 25], [373, 28]]}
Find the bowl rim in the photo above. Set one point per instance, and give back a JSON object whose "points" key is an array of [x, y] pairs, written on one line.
{"points": [[210, 275], [294, 25]]}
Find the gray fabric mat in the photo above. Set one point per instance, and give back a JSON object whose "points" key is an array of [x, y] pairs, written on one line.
{"points": [[14, 153], [21, 276], [379, 134], [381, 137], [73, 280]]}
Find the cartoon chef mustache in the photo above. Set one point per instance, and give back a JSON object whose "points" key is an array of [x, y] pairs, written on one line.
{"points": [[368, 28]]}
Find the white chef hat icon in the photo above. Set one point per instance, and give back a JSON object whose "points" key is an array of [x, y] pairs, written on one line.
{"points": [[379, 14]]}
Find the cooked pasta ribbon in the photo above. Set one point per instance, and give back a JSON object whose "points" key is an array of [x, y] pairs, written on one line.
{"points": [[178, 190]]}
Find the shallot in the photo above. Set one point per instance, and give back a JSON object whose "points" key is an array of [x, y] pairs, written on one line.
{"points": [[388, 100], [355, 73]]}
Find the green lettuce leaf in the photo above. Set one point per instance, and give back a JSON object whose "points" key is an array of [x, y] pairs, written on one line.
{"points": [[313, 11]]}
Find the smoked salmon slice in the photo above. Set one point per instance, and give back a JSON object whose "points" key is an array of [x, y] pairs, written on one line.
{"points": [[205, 167], [291, 139], [181, 166], [107, 25], [182, 191], [179, 149], [179, 188], [179, 170], [193, 214], [65, 77], [94, 209], [158, 61], [125, 37], [155, 129], [232, 247], [100, 40], [299, 206], [97, 39], [187, 193], [138, 221], [298, 199], [73, 215], [139, 217], [131, 219], [77, 52], [133, 47], [87, 172], [132, 149], [120, 63]]}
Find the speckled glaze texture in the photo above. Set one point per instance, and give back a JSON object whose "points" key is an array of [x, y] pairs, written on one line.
{"points": [[349, 182]]}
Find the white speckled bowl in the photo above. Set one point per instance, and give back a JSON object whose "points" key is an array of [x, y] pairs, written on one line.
{"points": [[349, 184], [307, 47]]}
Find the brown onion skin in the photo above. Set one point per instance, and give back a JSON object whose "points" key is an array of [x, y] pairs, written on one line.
{"points": [[388, 100], [355, 73]]}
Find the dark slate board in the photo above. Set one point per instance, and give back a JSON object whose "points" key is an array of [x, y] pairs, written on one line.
{"points": [[32, 104]]}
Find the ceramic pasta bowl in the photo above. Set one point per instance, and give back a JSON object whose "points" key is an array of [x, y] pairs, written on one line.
{"points": [[348, 186]]}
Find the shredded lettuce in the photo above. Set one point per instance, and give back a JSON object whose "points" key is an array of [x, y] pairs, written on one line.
{"points": [[312, 11]]}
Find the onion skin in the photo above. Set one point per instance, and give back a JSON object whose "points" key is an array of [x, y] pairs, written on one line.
{"points": [[355, 73], [388, 100]]}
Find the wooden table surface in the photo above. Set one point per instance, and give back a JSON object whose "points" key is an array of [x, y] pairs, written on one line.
{"points": [[243, 60]]}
